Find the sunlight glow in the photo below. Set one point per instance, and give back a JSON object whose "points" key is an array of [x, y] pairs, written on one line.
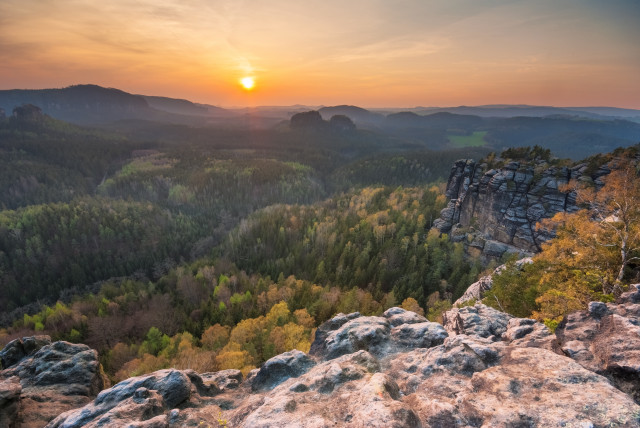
{"points": [[247, 82]]}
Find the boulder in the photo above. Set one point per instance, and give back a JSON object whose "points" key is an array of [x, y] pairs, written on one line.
{"points": [[148, 399], [398, 316], [400, 370], [18, 349], [10, 390], [53, 378], [367, 333], [421, 335], [478, 320], [280, 368], [224, 379], [606, 339], [476, 290]]}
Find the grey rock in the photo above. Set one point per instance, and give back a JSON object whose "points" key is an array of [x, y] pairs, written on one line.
{"points": [[10, 390], [478, 320], [54, 377], [134, 399], [18, 349], [367, 333], [318, 345], [506, 204], [606, 340], [476, 290], [397, 316], [421, 335], [224, 379], [280, 368]]}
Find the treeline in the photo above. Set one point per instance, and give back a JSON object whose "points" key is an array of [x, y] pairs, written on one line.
{"points": [[401, 169], [377, 238], [202, 316], [45, 249]]}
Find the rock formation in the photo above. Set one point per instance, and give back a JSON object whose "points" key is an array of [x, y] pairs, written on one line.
{"points": [[41, 379], [496, 210], [483, 368], [606, 340]]}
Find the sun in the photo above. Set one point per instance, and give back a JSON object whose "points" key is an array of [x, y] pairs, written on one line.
{"points": [[248, 83]]}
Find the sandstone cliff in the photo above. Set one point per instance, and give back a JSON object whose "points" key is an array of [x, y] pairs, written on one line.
{"points": [[495, 210], [41, 379], [482, 368]]}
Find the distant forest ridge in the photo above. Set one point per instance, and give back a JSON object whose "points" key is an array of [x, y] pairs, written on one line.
{"points": [[569, 132]]}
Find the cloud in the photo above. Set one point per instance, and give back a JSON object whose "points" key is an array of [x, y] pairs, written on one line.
{"points": [[393, 49]]}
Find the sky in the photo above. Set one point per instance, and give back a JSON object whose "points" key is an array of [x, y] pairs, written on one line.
{"points": [[374, 53]]}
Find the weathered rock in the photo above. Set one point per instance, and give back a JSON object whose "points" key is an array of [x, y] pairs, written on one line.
{"points": [[397, 316], [400, 330], [528, 333], [145, 407], [476, 290], [280, 368], [495, 370], [422, 335], [318, 347], [147, 400], [10, 390], [224, 379], [54, 377], [606, 339], [345, 391], [535, 387], [478, 320], [368, 333], [505, 204], [18, 349], [475, 382]]}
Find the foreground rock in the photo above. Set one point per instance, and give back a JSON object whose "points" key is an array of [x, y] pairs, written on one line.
{"points": [[41, 379], [486, 369], [149, 399], [606, 339]]}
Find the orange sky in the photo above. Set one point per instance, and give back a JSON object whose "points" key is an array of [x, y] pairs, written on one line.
{"points": [[375, 53]]}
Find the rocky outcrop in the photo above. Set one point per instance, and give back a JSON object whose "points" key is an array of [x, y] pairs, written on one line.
{"points": [[41, 379], [495, 211], [482, 369], [606, 340], [397, 329], [476, 290]]}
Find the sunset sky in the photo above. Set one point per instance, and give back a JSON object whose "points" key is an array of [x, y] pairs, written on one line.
{"points": [[375, 53]]}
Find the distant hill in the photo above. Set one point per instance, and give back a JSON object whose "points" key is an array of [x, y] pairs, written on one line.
{"points": [[362, 117], [185, 107], [604, 113], [92, 104]]}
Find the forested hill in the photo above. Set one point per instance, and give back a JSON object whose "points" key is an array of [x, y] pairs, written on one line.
{"points": [[215, 248], [92, 104], [575, 133], [82, 205]]}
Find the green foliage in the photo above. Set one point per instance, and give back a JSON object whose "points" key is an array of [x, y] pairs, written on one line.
{"points": [[475, 139], [516, 289], [375, 238], [45, 249]]}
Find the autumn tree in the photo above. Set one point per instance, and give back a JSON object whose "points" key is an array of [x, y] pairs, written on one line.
{"points": [[603, 238], [592, 254]]}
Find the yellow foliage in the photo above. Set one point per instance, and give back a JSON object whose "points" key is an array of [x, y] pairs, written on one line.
{"points": [[304, 319], [215, 337], [411, 304], [278, 314]]}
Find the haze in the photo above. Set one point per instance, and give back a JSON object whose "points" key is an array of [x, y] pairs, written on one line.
{"points": [[375, 53]]}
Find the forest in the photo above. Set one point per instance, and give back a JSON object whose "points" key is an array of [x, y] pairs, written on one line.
{"points": [[169, 245]]}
